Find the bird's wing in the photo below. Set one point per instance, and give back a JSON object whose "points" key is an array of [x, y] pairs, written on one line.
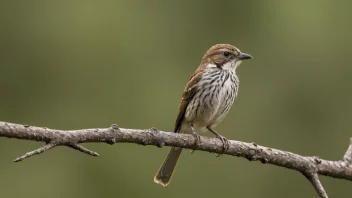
{"points": [[190, 91]]}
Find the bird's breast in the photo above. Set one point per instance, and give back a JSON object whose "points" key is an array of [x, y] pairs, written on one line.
{"points": [[214, 98]]}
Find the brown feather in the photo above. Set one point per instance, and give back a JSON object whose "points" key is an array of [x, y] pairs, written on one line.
{"points": [[188, 94]]}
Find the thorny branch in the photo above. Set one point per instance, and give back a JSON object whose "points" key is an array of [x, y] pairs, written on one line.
{"points": [[310, 167]]}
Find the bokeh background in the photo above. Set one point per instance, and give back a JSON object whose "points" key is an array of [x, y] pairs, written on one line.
{"points": [[88, 64]]}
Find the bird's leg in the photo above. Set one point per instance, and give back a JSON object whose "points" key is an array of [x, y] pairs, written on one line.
{"points": [[225, 141], [196, 138]]}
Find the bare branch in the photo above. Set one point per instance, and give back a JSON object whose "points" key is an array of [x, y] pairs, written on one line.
{"points": [[35, 152], [305, 164], [348, 155], [314, 180], [84, 150]]}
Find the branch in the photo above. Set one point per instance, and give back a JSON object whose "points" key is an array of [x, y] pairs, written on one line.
{"points": [[314, 180], [311, 167]]}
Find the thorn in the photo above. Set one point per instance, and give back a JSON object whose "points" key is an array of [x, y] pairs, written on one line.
{"points": [[254, 144], [83, 150], [36, 152]]}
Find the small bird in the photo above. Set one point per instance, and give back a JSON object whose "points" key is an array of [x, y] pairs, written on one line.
{"points": [[206, 100]]}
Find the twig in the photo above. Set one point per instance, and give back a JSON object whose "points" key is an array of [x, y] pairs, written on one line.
{"points": [[314, 180], [35, 152], [83, 150], [348, 155], [311, 167]]}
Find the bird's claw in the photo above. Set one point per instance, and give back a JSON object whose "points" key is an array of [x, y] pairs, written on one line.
{"points": [[225, 144]]}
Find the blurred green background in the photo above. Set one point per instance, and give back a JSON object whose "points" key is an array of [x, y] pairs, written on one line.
{"points": [[87, 64]]}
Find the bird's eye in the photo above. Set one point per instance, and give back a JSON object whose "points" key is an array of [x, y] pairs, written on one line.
{"points": [[226, 53]]}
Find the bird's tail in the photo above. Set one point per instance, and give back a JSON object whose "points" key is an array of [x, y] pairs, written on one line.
{"points": [[164, 174]]}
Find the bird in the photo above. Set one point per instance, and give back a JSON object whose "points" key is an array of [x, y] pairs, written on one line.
{"points": [[206, 100]]}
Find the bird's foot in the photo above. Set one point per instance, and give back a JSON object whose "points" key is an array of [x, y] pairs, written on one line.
{"points": [[225, 141], [225, 144]]}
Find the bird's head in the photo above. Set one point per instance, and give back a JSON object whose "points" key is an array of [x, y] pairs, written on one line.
{"points": [[223, 56]]}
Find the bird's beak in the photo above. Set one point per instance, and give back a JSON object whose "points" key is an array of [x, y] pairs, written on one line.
{"points": [[244, 56]]}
